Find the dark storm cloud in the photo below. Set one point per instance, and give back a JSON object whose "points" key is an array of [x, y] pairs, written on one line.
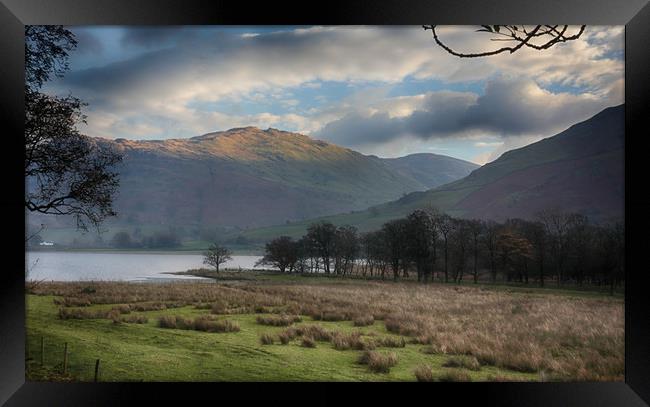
{"points": [[439, 116], [87, 42], [148, 37], [509, 107]]}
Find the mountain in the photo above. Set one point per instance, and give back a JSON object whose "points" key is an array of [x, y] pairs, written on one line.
{"points": [[431, 170], [248, 177], [580, 170]]}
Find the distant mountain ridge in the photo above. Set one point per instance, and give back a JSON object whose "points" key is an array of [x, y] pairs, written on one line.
{"points": [[248, 177], [578, 170]]}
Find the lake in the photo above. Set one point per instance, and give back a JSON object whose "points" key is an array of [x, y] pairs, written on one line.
{"points": [[86, 266]]}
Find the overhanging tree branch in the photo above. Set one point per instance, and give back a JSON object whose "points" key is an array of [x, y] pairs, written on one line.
{"points": [[524, 36]]}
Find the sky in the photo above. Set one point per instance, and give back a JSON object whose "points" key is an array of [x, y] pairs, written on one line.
{"points": [[387, 91]]}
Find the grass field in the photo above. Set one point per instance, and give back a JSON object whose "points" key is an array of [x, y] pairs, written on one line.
{"points": [[321, 330]]}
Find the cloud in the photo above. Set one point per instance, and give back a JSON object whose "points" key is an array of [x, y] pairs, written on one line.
{"points": [[169, 71], [155, 37], [87, 42], [510, 107], [483, 144]]}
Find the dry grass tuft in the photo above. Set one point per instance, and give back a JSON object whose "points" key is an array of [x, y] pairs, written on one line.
{"points": [[123, 308], [82, 301], [391, 342], [281, 320], [135, 319], [454, 375], [377, 362], [80, 313], [353, 340], [315, 331], [423, 373], [363, 320], [467, 362], [308, 342], [266, 339], [286, 336], [204, 323]]}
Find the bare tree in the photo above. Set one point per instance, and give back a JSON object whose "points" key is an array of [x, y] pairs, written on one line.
{"points": [[460, 246], [557, 224], [216, 255], [419, 238], [322, 236], [475, 229], [395, 234], [445, 225], [538, 37], [490, 235]]}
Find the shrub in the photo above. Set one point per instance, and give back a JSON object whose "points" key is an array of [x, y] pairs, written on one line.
{"points": [[364, 358], [135, 319], [114, 315], [404, 325], [205, 324], [226, 326], [88, 290], [486, 359], [454, 375], [334, 316], [392, 342], [261, 309], [315, 331], [266, 339], [422, 340], [284, 338], [470, 363], [202, 323], [219, 308], [423, 373], [287, 335], [521, 363], [282, 320], [123, 309], [155, 306], [73, 301], [430, 350], [364, 320], [377, 362], [344, 341], [308, 342], [327, 315], [78, 313], [167, 321], [184, 323]]}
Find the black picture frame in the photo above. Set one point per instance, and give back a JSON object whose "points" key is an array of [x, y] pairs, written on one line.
{"points": [[634, 14]]}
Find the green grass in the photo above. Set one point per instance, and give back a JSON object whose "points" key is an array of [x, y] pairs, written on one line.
{"points": [[134, 352]]}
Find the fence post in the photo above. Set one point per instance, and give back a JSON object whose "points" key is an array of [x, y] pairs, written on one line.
{"points": [[42, 351], [65, 358], [96, 369]]}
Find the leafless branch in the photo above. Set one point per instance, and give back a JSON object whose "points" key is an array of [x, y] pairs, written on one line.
{"points": [[524, 36]]}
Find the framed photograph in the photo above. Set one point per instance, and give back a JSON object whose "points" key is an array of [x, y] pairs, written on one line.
{"points": [[268, 196]]}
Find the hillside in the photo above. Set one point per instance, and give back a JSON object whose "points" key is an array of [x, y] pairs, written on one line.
{"points": [[580, 169], [248, 177], [431, 170]]}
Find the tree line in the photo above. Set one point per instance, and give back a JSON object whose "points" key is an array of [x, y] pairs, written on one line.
{"points": [[557, 247]]}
